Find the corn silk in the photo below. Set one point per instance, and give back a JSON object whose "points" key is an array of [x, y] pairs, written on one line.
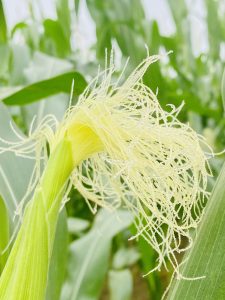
{"points": [[136, 156]]}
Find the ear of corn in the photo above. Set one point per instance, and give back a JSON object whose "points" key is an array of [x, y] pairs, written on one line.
{"points": [[25, 274], [122, 148]]}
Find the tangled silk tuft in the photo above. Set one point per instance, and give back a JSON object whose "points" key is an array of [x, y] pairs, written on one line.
{"points": [[144, 159]]}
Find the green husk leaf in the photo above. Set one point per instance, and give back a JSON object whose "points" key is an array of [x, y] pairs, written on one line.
{"points": [[4, 234], [58, 262]]}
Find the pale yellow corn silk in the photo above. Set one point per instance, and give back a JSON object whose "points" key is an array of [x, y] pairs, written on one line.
{"points": [[143, 159]]}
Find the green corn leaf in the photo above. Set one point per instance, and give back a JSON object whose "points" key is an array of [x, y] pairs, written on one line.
{"points": [[44, 88], [14, 171], [3, 27], [89, 256], [54, 41], [207, 256], [64, 18]]}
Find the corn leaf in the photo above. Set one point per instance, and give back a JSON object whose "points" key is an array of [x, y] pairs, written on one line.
{"points": [[45, 88], [14, 171], [3, 28], [54, 40], [89, 256], [207, 256], [64, 18]]}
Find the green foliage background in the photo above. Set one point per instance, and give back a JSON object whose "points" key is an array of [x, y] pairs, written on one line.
{"points": [[35, 79]]}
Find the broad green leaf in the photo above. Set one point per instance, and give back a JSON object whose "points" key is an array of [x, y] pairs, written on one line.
{"points": [[89, 256], [58, 262], [3, 28], [54, 41], [207, 255], [4, 233], [120, 285], [15, 171], [45, 88]]}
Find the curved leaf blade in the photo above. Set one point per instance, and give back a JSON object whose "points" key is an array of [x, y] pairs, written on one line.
{"points": [[207, 256], [45, 88]]}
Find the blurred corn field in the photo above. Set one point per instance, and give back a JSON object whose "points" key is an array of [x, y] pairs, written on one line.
{"points": [[39, 59]]}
